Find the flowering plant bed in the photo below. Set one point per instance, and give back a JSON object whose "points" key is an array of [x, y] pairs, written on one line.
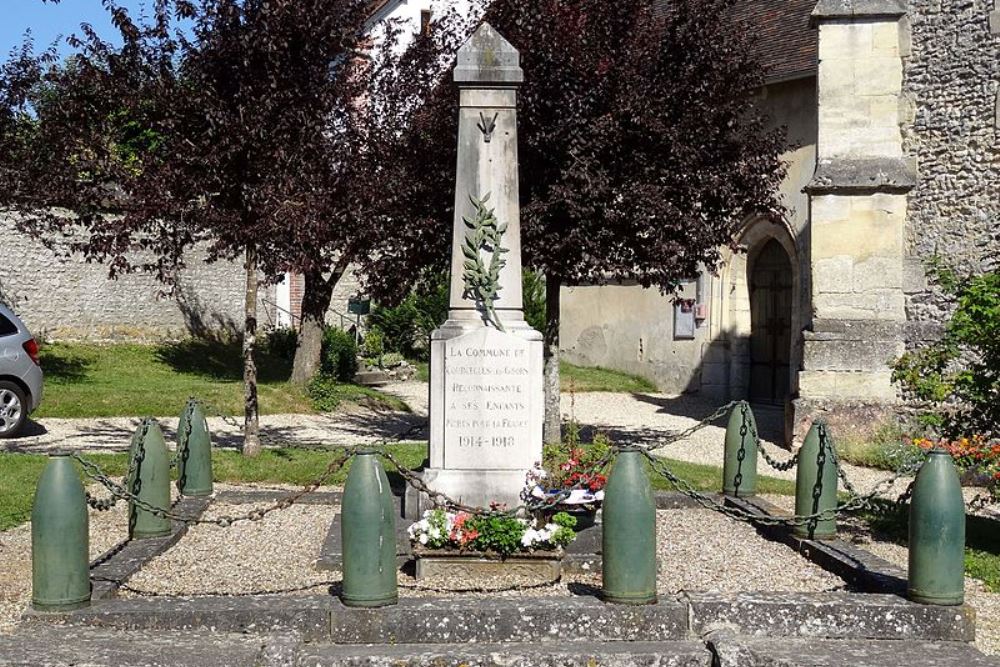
{"points": [[572, 474], [977, 459], [476, 546], [498, 534], [457, 563]]}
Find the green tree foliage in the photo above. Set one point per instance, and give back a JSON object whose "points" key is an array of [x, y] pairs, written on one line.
{"points": [[960, 373]]}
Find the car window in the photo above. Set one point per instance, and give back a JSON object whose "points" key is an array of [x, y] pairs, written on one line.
{"points": [[7, 327]]}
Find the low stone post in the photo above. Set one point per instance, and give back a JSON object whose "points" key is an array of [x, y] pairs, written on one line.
{"points": [[628, 545], [739, 470], [194, 452], [368, 533], [60, 539], [149, 482], [816, 484], [936, 573]]}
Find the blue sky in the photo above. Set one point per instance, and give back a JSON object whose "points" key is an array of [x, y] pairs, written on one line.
{"points": [[49, 21]]}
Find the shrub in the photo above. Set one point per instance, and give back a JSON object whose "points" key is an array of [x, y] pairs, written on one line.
{"points": [[280, 343], [960, 374], [325, 393], [406, 327], [373, 345], [339, 356]]}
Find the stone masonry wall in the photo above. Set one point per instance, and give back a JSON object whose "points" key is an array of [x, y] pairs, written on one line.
{"points": [[70, 299], [950, 122]]}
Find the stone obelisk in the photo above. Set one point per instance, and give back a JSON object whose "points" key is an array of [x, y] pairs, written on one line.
{"points": [[486, 396]]}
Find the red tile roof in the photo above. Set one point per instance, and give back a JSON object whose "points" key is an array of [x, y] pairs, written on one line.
{"points": [[785, 41], [787, 45]]}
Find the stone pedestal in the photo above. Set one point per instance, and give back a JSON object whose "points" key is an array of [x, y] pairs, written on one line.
{"points": [[486, 394]]}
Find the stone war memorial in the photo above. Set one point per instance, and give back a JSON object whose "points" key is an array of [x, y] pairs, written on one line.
{"points": [[484, 556], [486, 362]]}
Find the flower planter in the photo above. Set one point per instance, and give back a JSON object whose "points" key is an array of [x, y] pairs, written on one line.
{"points": [[541, 565]]}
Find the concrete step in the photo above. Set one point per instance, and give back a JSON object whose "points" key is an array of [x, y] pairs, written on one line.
{"points": [[323, 618], [59, 646], [588, 654]]}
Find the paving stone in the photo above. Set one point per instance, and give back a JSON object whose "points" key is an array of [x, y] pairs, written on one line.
{"points": [[833, 615], [610, 654], [741, 652], [35, 646], [309, 616]]}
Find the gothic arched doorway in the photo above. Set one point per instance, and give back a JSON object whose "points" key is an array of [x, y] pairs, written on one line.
{"points": [[771, 281]]}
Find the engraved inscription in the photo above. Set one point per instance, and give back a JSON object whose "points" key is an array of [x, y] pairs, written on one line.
{"points": [[487, 391]]}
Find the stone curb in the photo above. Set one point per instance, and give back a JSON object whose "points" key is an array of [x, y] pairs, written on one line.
{"points": [[831, 615], [837, 615]]}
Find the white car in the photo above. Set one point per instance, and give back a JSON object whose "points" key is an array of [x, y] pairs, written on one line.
{"points": [[20, 374]]}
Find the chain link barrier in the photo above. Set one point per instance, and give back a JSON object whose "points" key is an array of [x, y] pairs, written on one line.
{"points": [[874, 500]]}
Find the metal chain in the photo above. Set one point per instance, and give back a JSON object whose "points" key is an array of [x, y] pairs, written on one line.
{"points": [[691, 430], [119, 492], [748, 426], [181, 454], [855, 503], [106, 504], [443, 501]]}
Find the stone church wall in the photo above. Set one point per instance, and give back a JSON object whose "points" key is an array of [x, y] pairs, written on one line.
{"points": [[950, 123]]}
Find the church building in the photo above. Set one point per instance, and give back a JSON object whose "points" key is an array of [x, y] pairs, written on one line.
{"points": [[892, 111]]}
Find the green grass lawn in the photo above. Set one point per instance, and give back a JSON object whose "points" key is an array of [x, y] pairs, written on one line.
{"points": [[127, 380], [581, 379]]}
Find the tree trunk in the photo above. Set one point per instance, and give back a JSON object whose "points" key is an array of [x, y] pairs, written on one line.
{"points": [[316, 296], [552, 432], [251, 423]]}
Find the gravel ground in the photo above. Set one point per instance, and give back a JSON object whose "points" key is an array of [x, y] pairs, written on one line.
{"points": [[273, 555], [276, 555]]}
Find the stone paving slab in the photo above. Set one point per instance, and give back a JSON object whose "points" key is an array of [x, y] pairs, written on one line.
{"points": [[833, 615], [501, 620], [308, 616], [54, 646], [610, 654], [742, 652], [837, 615]]}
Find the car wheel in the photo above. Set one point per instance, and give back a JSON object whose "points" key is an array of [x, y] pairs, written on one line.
{"points": [[13, 409]]}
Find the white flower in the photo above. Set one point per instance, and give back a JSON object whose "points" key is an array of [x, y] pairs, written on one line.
{"points": [[423, 538], [434, 533], [529, 537]]}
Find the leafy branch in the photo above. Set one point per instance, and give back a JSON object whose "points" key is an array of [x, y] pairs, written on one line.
{"points": [[482, 283]]}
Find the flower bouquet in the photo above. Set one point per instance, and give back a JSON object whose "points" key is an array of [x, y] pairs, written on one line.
{"points": [[572, 476]]}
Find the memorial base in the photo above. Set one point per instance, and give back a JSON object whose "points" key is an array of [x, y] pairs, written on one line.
{"points": [[476, 488], [539, 565]]}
